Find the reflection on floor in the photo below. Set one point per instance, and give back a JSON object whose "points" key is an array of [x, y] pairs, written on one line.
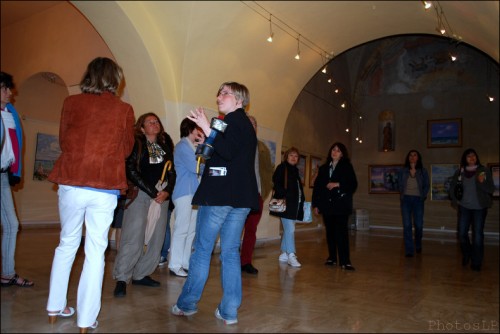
{"points": [[431, 292]]}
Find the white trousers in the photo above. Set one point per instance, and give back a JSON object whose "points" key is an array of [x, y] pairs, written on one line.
{"points": [[183, 232], [77, 206]]}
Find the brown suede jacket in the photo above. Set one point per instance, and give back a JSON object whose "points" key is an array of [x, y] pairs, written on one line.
{"points": [[96, 135]]}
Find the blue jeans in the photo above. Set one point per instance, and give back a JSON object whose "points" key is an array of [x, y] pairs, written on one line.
{"points": [[474, 251], [10, 226], [211, 221], [166, 242], [288, 237], [412, 208]]}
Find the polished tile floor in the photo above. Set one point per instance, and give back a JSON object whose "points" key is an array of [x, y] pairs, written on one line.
{"points": [[431, 292]]}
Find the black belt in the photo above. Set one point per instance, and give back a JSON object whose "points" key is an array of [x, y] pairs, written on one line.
{"points": [[4, 170]]}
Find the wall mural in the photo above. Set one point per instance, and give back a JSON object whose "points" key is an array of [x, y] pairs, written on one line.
{"points": [[419, 64]]}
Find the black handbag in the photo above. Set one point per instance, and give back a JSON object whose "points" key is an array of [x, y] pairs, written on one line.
{"points": [[459, 189]]}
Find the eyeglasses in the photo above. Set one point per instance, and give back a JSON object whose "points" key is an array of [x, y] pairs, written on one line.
{"points": [[224, 93], [152, 122]]}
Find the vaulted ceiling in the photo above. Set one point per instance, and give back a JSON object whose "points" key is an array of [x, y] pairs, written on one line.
{"points": [[178, 52]]}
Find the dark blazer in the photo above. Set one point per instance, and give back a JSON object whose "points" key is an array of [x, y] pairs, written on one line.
{"points": [[337, 201], [234, 150], [294, 203]]}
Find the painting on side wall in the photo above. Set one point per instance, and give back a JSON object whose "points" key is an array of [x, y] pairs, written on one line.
{"points": [[441, 175], [314, 163], [495, 172], [47, 152], [444, 133], [301, 165], [383, 179]]}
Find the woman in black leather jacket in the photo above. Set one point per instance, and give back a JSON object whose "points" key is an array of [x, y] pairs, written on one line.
{"points": [[145, 167]]}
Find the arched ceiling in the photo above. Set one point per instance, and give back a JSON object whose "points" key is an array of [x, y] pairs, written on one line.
{"points": [[176, 53]]}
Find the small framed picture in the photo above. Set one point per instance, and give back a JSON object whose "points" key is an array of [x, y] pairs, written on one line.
{"points": [[314, 163], [444, 133], [441, 175], [383, 179], [301, 165], [495, 173]]}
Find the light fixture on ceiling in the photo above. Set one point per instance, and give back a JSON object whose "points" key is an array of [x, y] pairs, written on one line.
{"points": [[491, 98], [324, 70], [297, 56], [427, 4], [336, 90], [276, 22], [347, 130], [329, 80], [453, 57], [271, 34], [343, 104]]}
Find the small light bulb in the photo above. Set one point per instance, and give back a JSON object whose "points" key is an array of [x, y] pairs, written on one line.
{"points": [[343, 105], [324, 69], [347, 130]]}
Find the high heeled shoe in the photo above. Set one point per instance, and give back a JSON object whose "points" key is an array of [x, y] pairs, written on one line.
{"points": [[53, 315], [83, 330]]}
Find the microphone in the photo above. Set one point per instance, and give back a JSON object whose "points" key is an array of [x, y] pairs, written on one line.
{"points": [[205, 150]]}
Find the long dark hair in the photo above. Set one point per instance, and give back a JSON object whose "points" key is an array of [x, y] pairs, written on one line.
{"points": [[419, 164], [163, 139], [342, 148], [463, 160]]}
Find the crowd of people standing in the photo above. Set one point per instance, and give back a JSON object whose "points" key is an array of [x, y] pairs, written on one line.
{"points": [[211, 195]]}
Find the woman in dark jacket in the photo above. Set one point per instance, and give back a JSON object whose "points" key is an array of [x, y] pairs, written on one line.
{"points": [[145, 167], [287, 184], [332, 197], [478, 187]]}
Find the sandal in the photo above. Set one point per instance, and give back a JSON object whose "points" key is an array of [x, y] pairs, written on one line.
{"points": [[84, 330], [19, 281], [64, 313]]}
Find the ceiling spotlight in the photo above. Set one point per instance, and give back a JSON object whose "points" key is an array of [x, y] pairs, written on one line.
{"points": [[357, 138], [360, 141], [453, 58], [271, 34], [360, 117], [324, 69], [347, 130], [329, 80], [491, 98], [427, 4], [343, 105], [297, 56], [336, 90]]}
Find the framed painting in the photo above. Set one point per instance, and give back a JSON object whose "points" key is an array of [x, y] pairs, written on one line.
{"points": [[444, 133], [314, 163], [441, 175], [383, 179], [47, 152], [301, 165], [495, 173]]}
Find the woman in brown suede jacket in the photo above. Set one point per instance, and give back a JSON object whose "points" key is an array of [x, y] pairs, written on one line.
{"points": [[96, 135]]}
